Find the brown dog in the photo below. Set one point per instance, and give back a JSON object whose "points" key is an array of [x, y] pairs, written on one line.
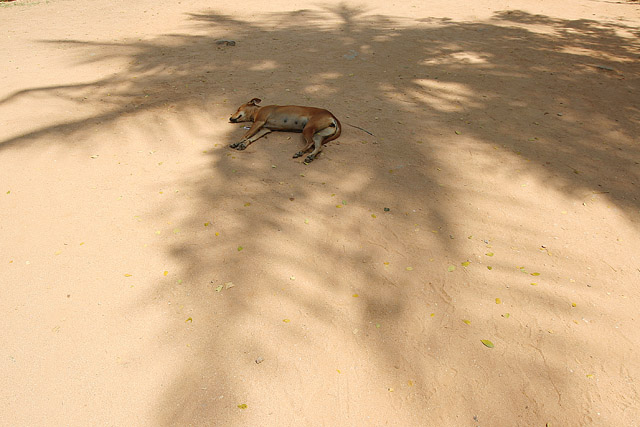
{"points": [[317, 125]]}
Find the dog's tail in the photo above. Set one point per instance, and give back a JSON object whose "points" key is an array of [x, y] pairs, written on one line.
{"points": [[358, 127], [336, 124]]}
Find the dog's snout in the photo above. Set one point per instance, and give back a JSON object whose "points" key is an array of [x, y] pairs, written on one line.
{"points": [[232, 120]]}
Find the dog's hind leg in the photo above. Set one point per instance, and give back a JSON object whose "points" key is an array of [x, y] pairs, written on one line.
{"points": [[307, 134], [318, 139]]}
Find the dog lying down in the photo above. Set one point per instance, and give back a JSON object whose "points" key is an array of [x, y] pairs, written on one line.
{"points": [[318, 126]]}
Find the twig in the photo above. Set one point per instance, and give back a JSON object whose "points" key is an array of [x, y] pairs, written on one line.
{"points": [[610, 266]]}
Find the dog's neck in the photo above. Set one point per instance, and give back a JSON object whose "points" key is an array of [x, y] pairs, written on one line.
{"points": [[253, 112]]}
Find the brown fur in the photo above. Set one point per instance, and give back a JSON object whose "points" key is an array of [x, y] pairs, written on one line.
{"points": [[318, 126]]}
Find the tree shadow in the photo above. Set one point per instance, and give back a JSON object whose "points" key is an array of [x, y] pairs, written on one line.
{"points": [[429, 90]]}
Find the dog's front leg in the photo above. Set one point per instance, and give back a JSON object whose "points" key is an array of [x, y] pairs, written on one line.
{"points": [[257, 131]]}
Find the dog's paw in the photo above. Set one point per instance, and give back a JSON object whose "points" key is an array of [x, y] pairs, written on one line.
{"points": [[309, 159], [241, 146], [298, 154], [234, 145]]}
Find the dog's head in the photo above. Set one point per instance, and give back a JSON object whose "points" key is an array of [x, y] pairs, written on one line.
{"points": [[246, 112]]}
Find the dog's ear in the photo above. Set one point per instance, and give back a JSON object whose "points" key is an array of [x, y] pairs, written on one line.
{"points": [[255, 101]]}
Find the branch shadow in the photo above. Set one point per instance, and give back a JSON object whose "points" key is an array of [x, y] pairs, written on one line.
{"points": [[430, 89]]}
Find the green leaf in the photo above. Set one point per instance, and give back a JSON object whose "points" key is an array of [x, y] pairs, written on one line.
{"points": [[487, 343]]}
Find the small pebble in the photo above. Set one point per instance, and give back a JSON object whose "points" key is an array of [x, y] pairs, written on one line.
{"points": [[226, 42]]}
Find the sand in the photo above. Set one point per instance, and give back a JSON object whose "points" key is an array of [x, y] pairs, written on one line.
{"points": [[152, 276]]}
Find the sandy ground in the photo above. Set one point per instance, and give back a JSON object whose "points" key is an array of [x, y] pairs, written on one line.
{"points": [[146, 268]]}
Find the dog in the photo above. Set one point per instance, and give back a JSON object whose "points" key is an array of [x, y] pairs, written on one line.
{"points": [[318, 126]]}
